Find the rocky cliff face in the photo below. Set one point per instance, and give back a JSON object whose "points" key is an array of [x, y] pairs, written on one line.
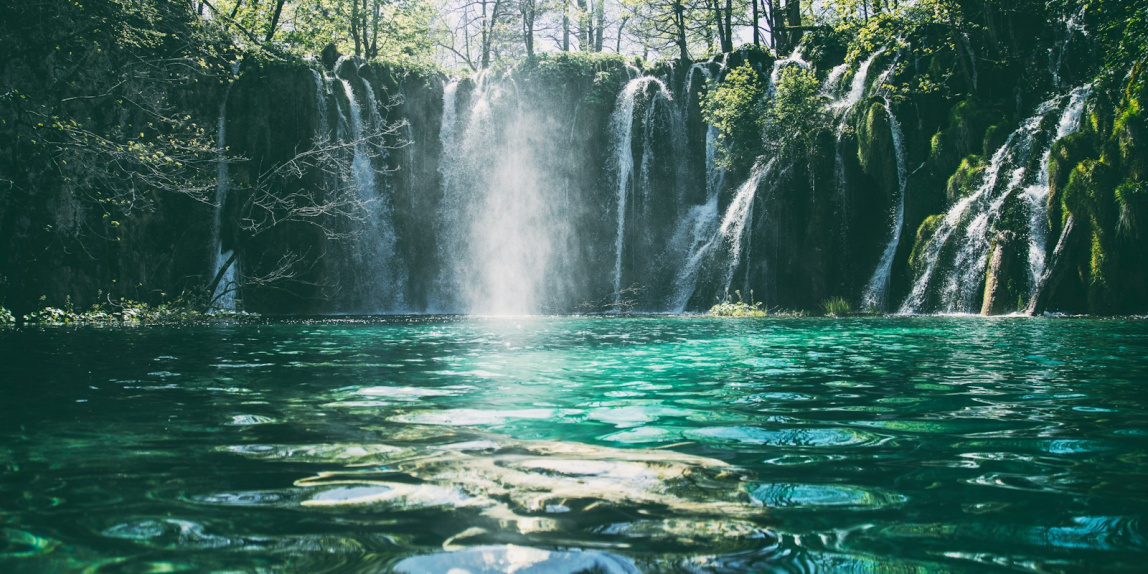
{"points": [[587, 184]]}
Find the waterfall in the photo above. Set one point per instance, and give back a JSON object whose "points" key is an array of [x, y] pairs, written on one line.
{"points": [[223, 296], [857, 86], [377, 275], [735, 224], [622, 135], [321, 103], [876, 292], [843, 109], [1036, 196], [1073, 25], [971, 221], [506, 244], [794, 59], [697, 230]]}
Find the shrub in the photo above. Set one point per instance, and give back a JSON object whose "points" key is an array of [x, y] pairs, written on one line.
{"points": [[6, 318], [729, 308]]}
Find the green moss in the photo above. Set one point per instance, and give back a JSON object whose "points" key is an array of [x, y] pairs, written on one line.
{"points": [[875, 145], [924, 234], [994, 138], [1090, 196], [966, 179]]}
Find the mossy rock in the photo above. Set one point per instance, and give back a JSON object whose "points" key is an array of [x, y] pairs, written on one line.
{"points": [[964, 135], [1090, 196], [1065, 155], [995, 137], [925, 233], [1132, 199], [967, 178], [875, 148]]}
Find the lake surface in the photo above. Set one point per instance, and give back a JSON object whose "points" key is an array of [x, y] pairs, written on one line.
{"points": [[643, 444]]}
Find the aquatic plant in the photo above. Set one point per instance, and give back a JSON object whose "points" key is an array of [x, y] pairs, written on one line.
{"points": [[836, 307]]}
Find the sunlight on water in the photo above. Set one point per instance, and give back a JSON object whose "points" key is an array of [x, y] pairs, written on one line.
{"points": [[646, 444]]}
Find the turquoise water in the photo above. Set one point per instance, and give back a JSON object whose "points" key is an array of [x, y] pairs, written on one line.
{"points": [[643, 444]]}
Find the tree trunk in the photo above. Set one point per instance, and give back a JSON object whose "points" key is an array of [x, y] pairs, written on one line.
{"points": [[600, 24], [566, 25], [680, 25], [727, 47], [621, 26], [756, 17], [528, 8], [793, 20], [374, 51], [355, 27], [274, 21]]}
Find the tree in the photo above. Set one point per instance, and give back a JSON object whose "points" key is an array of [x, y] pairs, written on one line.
{"points": [[735, 107]]}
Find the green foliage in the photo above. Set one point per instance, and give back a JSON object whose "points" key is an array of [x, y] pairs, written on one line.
{"points": [[836, 307], [6, 318], [735, 108], [124, 312], [1122, 27], [966, 179], [405, 29], [795, 116], [606, 73], [925, 232], [740, 308]]}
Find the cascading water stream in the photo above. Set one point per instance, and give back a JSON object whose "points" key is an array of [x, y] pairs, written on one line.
{"points": [[622, 135], [321, 103], [876, 292], [223, 298], [843, 109], [1073, 25], [971, 220], [734, 225], [379, 278], [1036, 196], [697, 230]]}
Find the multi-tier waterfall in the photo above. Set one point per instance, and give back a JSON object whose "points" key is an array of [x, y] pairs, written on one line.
{"points": [[952, 267]]}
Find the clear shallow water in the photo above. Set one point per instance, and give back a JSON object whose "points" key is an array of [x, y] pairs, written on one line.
{"points": [[577, 444]]}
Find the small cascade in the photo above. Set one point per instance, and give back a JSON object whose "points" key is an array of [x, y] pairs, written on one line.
{"points": [[321, 92], [794, 59], [833, 80], [1072, 26], [735, 225], [856, 87], [697, 229], [622, 135], [1036, 196], [223, 298], [378, 278], [842, 108], [956, 256], [972, 57], [876, 292]]}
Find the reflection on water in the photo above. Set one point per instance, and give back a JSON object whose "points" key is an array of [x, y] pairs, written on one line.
{"points": [[577, 445]]}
